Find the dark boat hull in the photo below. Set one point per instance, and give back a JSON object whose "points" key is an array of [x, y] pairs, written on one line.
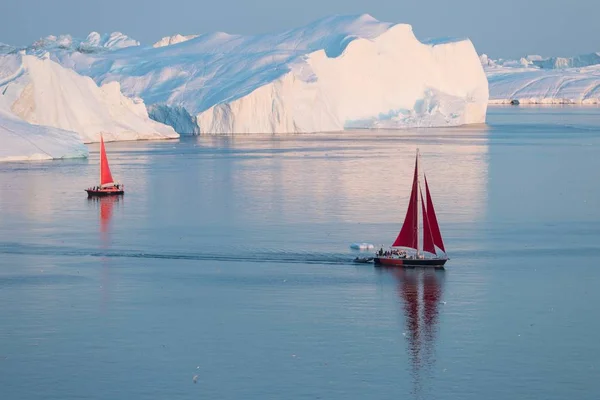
{"points": [[410, 262], [104, 192]]}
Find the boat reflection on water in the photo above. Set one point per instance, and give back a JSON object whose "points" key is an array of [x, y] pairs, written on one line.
{"points": [[106, 207], [421, 292]]}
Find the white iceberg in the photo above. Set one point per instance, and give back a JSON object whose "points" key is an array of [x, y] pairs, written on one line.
{"points": [[22, 141], [537, 80], [94, 42], [42, 92], [337, 73], [584, 60], [115, 40], [175, 39]]}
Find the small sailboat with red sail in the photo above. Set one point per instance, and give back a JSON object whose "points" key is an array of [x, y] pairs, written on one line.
{"points": [[108, 186], [407, 250]]}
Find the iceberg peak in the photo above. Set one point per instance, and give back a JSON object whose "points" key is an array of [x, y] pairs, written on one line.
{"points": [[93, 38], [112, 41], [175, 39], [92, 43]]}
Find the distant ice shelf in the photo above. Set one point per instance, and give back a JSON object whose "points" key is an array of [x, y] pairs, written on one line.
{"points": [[538, 80]]}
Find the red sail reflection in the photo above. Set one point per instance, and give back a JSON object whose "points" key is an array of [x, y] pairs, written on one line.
{"points": [[106, 212], [421, 293], [106, 208]]}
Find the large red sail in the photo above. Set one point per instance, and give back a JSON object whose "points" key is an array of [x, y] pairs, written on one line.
{"points": [[105, 175], [428, 245], [433, 222], [408, 236]]}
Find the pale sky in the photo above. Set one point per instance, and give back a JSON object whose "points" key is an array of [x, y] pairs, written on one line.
{"points": [[500, 28]]}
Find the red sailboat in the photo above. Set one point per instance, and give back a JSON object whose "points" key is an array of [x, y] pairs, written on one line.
{"points": [[425, 252], [108, 186]]}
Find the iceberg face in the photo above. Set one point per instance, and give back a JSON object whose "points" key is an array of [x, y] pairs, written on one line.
{"points": [[174, 116], [434, 110], [22, 141], [42, 92], [374, 83], [538, 80], [338, 72]]}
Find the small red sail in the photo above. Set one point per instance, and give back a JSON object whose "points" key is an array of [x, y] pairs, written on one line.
{"points": [[105, 175], [433, 222], [408, 236], [428, 245]]}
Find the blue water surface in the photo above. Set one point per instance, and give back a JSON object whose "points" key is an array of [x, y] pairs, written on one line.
{"points": [[227, 263]]}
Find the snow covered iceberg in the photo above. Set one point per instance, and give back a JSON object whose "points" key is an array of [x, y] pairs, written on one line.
{"points": [[42, 92], [537, 80], [339, 72], [584, 60], [94, 42], [21, 141], [171, 40]]}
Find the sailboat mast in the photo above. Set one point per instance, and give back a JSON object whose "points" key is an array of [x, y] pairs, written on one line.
{"points": [[418, 203], [101, 156]]}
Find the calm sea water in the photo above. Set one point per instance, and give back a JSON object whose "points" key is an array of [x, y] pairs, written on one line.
{"points": [[228, 260]]}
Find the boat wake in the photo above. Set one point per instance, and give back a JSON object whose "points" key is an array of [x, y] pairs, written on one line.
{"points": [[236, 256]]}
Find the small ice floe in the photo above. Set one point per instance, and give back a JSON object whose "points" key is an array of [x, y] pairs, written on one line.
{"points": [[362, 246]]}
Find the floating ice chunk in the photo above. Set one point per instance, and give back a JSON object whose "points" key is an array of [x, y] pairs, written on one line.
{"points": [[21, 141], [362, 246]]}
